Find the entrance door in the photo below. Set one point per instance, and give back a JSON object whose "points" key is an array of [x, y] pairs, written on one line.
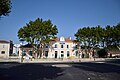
{"points": [[55, 54], [46, 54], [62, 54]]}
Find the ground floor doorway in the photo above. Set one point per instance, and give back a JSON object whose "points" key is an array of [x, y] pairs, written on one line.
{"points": [[56, 54]]}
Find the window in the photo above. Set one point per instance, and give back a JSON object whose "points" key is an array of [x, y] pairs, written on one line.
{"points": [[62, 55], [2, 52], [68, 53], [30, 53], [62, 46], [55, 45], [67, 46], [24, 53], [46, 46], [62, 51], [76, 46], [3, 46]]}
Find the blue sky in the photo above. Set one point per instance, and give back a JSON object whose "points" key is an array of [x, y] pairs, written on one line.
{"points": [[68, 15]]}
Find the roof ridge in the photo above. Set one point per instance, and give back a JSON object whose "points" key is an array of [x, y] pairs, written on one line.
{"points": [[4, 41]]}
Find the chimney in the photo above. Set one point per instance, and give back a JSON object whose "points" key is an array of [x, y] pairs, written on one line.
{"points": [[70, 38]]}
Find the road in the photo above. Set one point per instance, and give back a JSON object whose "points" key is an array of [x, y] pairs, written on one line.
{"points": [[99, 70]]}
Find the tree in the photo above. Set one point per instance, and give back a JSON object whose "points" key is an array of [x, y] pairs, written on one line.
{"points": [[38, 33], [5, 7], [96, 37], [83, 36], [116, 35], [113, 37]]}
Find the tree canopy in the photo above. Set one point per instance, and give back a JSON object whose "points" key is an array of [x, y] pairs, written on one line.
{"points": [[5, 7], [98, 36], [38, 32]]}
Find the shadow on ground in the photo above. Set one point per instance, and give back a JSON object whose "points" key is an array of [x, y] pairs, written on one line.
{"points": [[98, 67], [26, 71]]}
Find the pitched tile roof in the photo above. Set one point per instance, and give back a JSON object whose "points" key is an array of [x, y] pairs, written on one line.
{"points": [[55, 39], [3, 41], [66, 40]]}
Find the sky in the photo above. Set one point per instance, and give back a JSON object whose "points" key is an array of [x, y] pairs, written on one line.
{"points": [[67, 15]]}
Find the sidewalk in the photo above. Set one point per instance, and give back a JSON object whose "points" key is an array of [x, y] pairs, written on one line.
{"points": [[51, 60], [55, 60]]}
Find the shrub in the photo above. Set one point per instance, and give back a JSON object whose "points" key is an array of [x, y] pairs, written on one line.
{"points": [[72, 57], [102, 53], [86, 55]]}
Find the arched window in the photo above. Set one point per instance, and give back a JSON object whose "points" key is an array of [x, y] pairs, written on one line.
{"points": [[55, 45], [68, 53], [67, 46], [62, 46]]}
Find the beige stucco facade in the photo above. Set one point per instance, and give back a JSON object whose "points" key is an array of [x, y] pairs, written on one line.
{"points": [[61, 48], [4, 49], [58, 48]]}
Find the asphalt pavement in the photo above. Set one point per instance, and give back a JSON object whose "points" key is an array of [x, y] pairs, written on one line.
{"points": [[95, 70]]}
